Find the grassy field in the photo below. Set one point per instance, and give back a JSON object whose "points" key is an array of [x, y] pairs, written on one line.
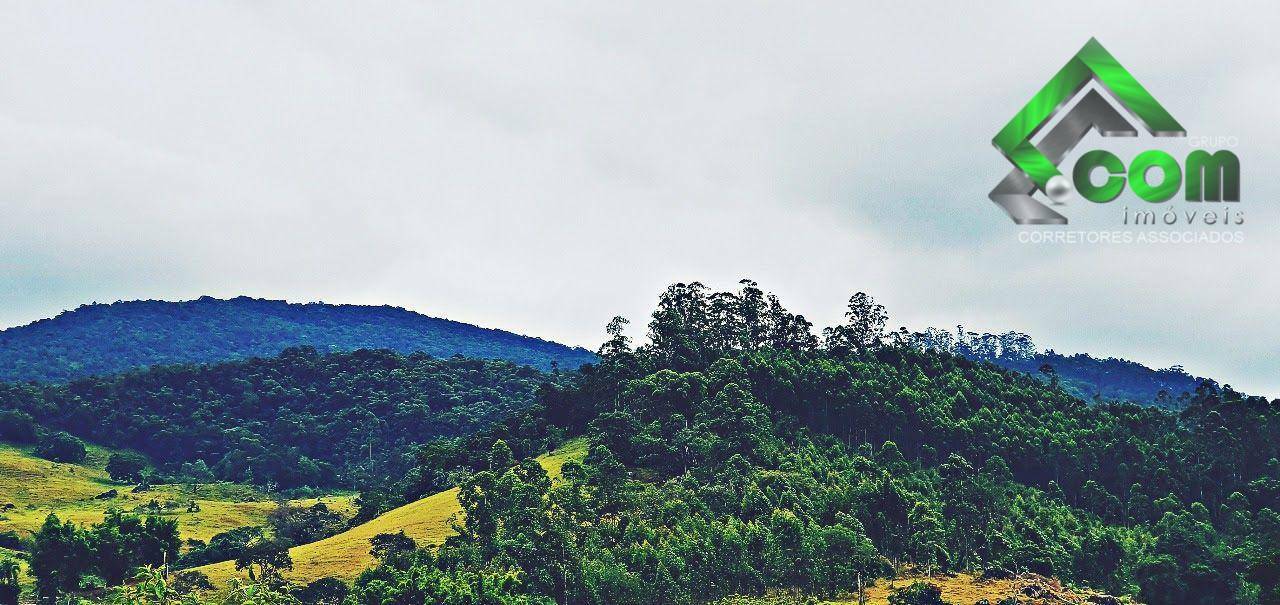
{"points": [[427, 521], [31, 488]]}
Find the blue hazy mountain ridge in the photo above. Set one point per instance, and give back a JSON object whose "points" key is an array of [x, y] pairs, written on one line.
{"points": [[99, 339], [1111, 378], [1085, 376]]}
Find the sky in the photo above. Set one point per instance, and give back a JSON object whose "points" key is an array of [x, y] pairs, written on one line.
{"points": [[542, 167]]}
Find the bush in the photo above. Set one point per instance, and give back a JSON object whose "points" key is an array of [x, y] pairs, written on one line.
{"points": [[9, 588], [61, 447], [186, 582], [325, 591], [12, 541], [299, 525], [226, 545], [918, 593], [18, 427], [126, 466]]}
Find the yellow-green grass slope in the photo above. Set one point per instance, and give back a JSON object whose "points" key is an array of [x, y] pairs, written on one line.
{"points": [[32, 487], [427, 521]]}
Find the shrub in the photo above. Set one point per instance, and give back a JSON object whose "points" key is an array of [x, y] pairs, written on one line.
{"points": [[226, 545], [12, 541], [918, 593], [18, 427], [61, 447], [325, 591], [299, 525], [126, 466], [186, 582]]}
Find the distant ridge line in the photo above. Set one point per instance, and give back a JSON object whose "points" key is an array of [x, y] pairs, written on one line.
{"points": [[105, 338]]}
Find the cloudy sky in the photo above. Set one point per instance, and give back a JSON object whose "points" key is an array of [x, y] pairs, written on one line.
{"points": [[543, 167]]}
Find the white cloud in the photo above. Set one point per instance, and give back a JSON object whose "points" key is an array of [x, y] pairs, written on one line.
{"points": [[544, 167]]}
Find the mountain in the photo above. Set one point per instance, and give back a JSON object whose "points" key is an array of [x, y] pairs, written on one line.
{"points": [[103, 339]]}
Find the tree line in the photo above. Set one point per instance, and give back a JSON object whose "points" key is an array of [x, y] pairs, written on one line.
{"points": [[303, 418], [737, 451]]}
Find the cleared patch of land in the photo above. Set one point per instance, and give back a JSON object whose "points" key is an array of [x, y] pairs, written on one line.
{"points": [[31, 488], [958, 589], [427, 521], [966, 589]]}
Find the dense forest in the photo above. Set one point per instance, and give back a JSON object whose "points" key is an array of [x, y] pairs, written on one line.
{"points": [[103, 339], [738, 451], [300, 418], [1082, 375]]}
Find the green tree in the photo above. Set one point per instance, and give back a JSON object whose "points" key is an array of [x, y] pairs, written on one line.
{"points": [[61, 447], [60, 554], [388, 547], [126, 466], [270, 558], [9, 588], [918, 593], [17, 426], [863, 328], [124, 542]]}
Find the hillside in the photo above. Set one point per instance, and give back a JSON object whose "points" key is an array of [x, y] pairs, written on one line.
{"points": [[736, 453], [1112, 379], [427, 521], [31, 488], [1085, 376], [298, 418], [102, 339]]}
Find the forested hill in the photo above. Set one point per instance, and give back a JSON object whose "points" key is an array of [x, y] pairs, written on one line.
{"points": [[1111, 378], [300, 418], [1085, 376], [101, 339], [736, 452]]}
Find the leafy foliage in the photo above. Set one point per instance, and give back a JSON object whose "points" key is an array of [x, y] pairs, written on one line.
{"points": [[17, 427], [733, 454], [126, 466], [225, 546], [265, 558], [64, 553], [918, 593], [9, 587], [105, 339], [302, 418], [60, 447], [299, 525]]}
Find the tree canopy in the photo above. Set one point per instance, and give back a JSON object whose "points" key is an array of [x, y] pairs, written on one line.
{"points": [[734, 452], [300, 418]]}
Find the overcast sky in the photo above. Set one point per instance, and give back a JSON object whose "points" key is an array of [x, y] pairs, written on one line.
{"points": [[543, 167]]}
